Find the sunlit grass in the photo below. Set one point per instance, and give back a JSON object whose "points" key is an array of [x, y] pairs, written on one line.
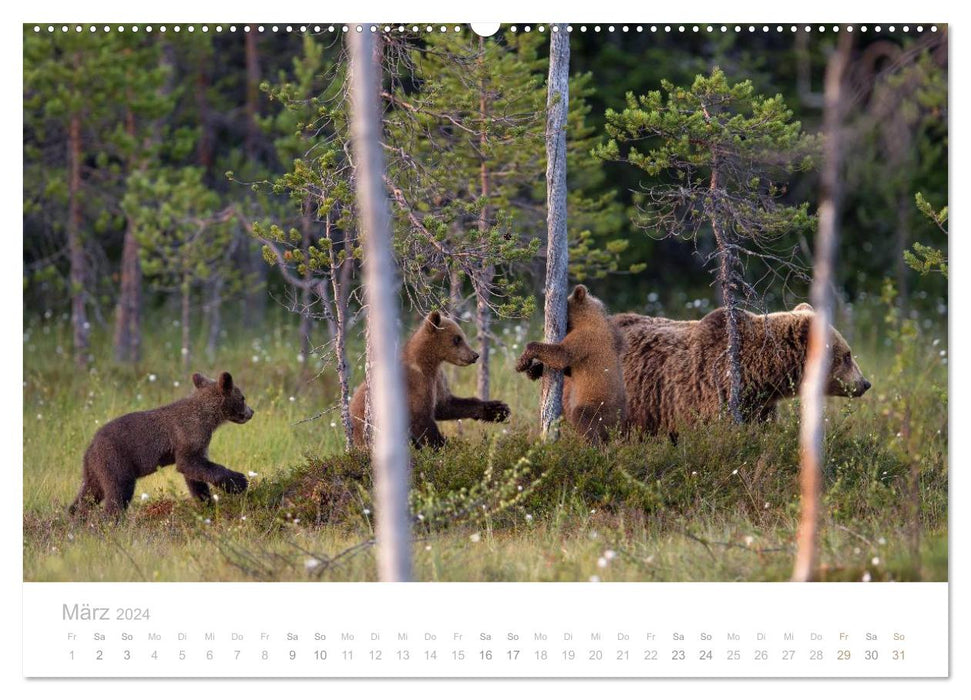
{"points": [[720, 505]]}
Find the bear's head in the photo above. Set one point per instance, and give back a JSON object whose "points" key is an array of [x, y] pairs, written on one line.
{"points": [[445, 339], [232, 403], [845, 376], [581, 305]]}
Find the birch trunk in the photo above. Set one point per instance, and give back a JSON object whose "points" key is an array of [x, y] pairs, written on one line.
{"points": [[483, 314], [557, 250], [819, 354], [389, 452]]}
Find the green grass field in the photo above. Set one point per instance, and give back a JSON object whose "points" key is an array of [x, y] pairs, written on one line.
{"points": [[495, 504]]}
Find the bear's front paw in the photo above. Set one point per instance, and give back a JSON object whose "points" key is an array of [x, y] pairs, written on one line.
{"points": [[495, 411], [233, 482], [526, 359], [535, 371]]}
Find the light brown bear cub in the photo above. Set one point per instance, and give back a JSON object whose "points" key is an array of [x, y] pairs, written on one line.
{"points": [[677, 371], [137, 444], [594, 397], [437, 340]]}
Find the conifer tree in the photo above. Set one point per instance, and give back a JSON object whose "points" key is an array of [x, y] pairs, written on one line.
{"points": [[721, 155]]}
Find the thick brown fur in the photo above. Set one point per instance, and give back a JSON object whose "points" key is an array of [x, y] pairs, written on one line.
{"points": [[137, 444], [677, 371], [437, 340], [594, 398]]}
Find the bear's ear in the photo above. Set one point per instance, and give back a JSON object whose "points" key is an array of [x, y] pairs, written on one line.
{"points": [[434, 319], [804, 307], [579, 293], [200, 381], [226, 382]]}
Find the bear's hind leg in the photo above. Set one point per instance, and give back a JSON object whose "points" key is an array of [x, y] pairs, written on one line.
{"points": [[88, 496], [118, 495]]}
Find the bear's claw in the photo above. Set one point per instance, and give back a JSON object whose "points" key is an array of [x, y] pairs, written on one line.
{"points": [[233, 482], [495, 411]]}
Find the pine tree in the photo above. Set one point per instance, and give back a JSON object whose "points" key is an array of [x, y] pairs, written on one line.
{"points": [[182, 234], [720, 154], [466, 134], [315, 243], [88, 105]]}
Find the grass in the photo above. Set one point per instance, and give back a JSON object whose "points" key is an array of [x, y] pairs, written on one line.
{"points": [[495, 504]]}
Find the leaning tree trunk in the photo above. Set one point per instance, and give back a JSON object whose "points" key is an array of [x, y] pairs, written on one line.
{"points": [[78, 273], [819, 354], [390, 449], [557, 250]]}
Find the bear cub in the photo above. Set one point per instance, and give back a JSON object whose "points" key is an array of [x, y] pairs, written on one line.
{"points": [[594, 397], [137, 444], [437, 340]]}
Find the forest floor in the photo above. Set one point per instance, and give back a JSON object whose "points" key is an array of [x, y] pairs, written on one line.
{"points": [[496, 504]]}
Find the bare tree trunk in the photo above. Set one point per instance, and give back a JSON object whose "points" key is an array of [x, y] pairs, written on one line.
{"points": [[727, 281], [483, 314], [79, 273], [819, 354], [306, 295], [390, 449], [337, 279], [557, 250]]}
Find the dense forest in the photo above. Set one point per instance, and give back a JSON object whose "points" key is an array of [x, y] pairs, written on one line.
{"points": [[195, 201], [207, 169]]}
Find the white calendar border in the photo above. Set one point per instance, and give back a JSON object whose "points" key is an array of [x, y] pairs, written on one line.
{"points": [[508, 11]]}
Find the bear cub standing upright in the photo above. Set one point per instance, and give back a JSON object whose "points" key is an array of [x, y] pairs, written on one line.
{"points": [[437, 340], [594, 397], [137, 444]]}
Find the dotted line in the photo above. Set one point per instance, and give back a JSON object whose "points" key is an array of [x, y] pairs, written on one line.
{"points": [[428, 28]]}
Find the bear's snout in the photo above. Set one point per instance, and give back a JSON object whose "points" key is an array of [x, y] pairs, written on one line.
{"points": [[863, 387], [247, 414], [475, 357]]}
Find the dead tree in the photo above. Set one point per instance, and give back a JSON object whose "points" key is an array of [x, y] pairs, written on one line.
{"points": [[389, 451], [557, 249], [819, 354]]}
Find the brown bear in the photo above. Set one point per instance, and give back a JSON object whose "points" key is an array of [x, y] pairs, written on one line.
{"points": [[677, 371], [437, 340], [137, 444], [594, 397]]}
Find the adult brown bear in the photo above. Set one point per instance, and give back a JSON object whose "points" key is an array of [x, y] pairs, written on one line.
{"points": [[676, 372]]}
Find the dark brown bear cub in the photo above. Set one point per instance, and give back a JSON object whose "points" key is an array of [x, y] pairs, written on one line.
{"points": [[137, 444], [594, 397], [437, 340]]}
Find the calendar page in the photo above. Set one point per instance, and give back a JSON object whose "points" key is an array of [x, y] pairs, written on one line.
{"points": [[609, 350]]}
